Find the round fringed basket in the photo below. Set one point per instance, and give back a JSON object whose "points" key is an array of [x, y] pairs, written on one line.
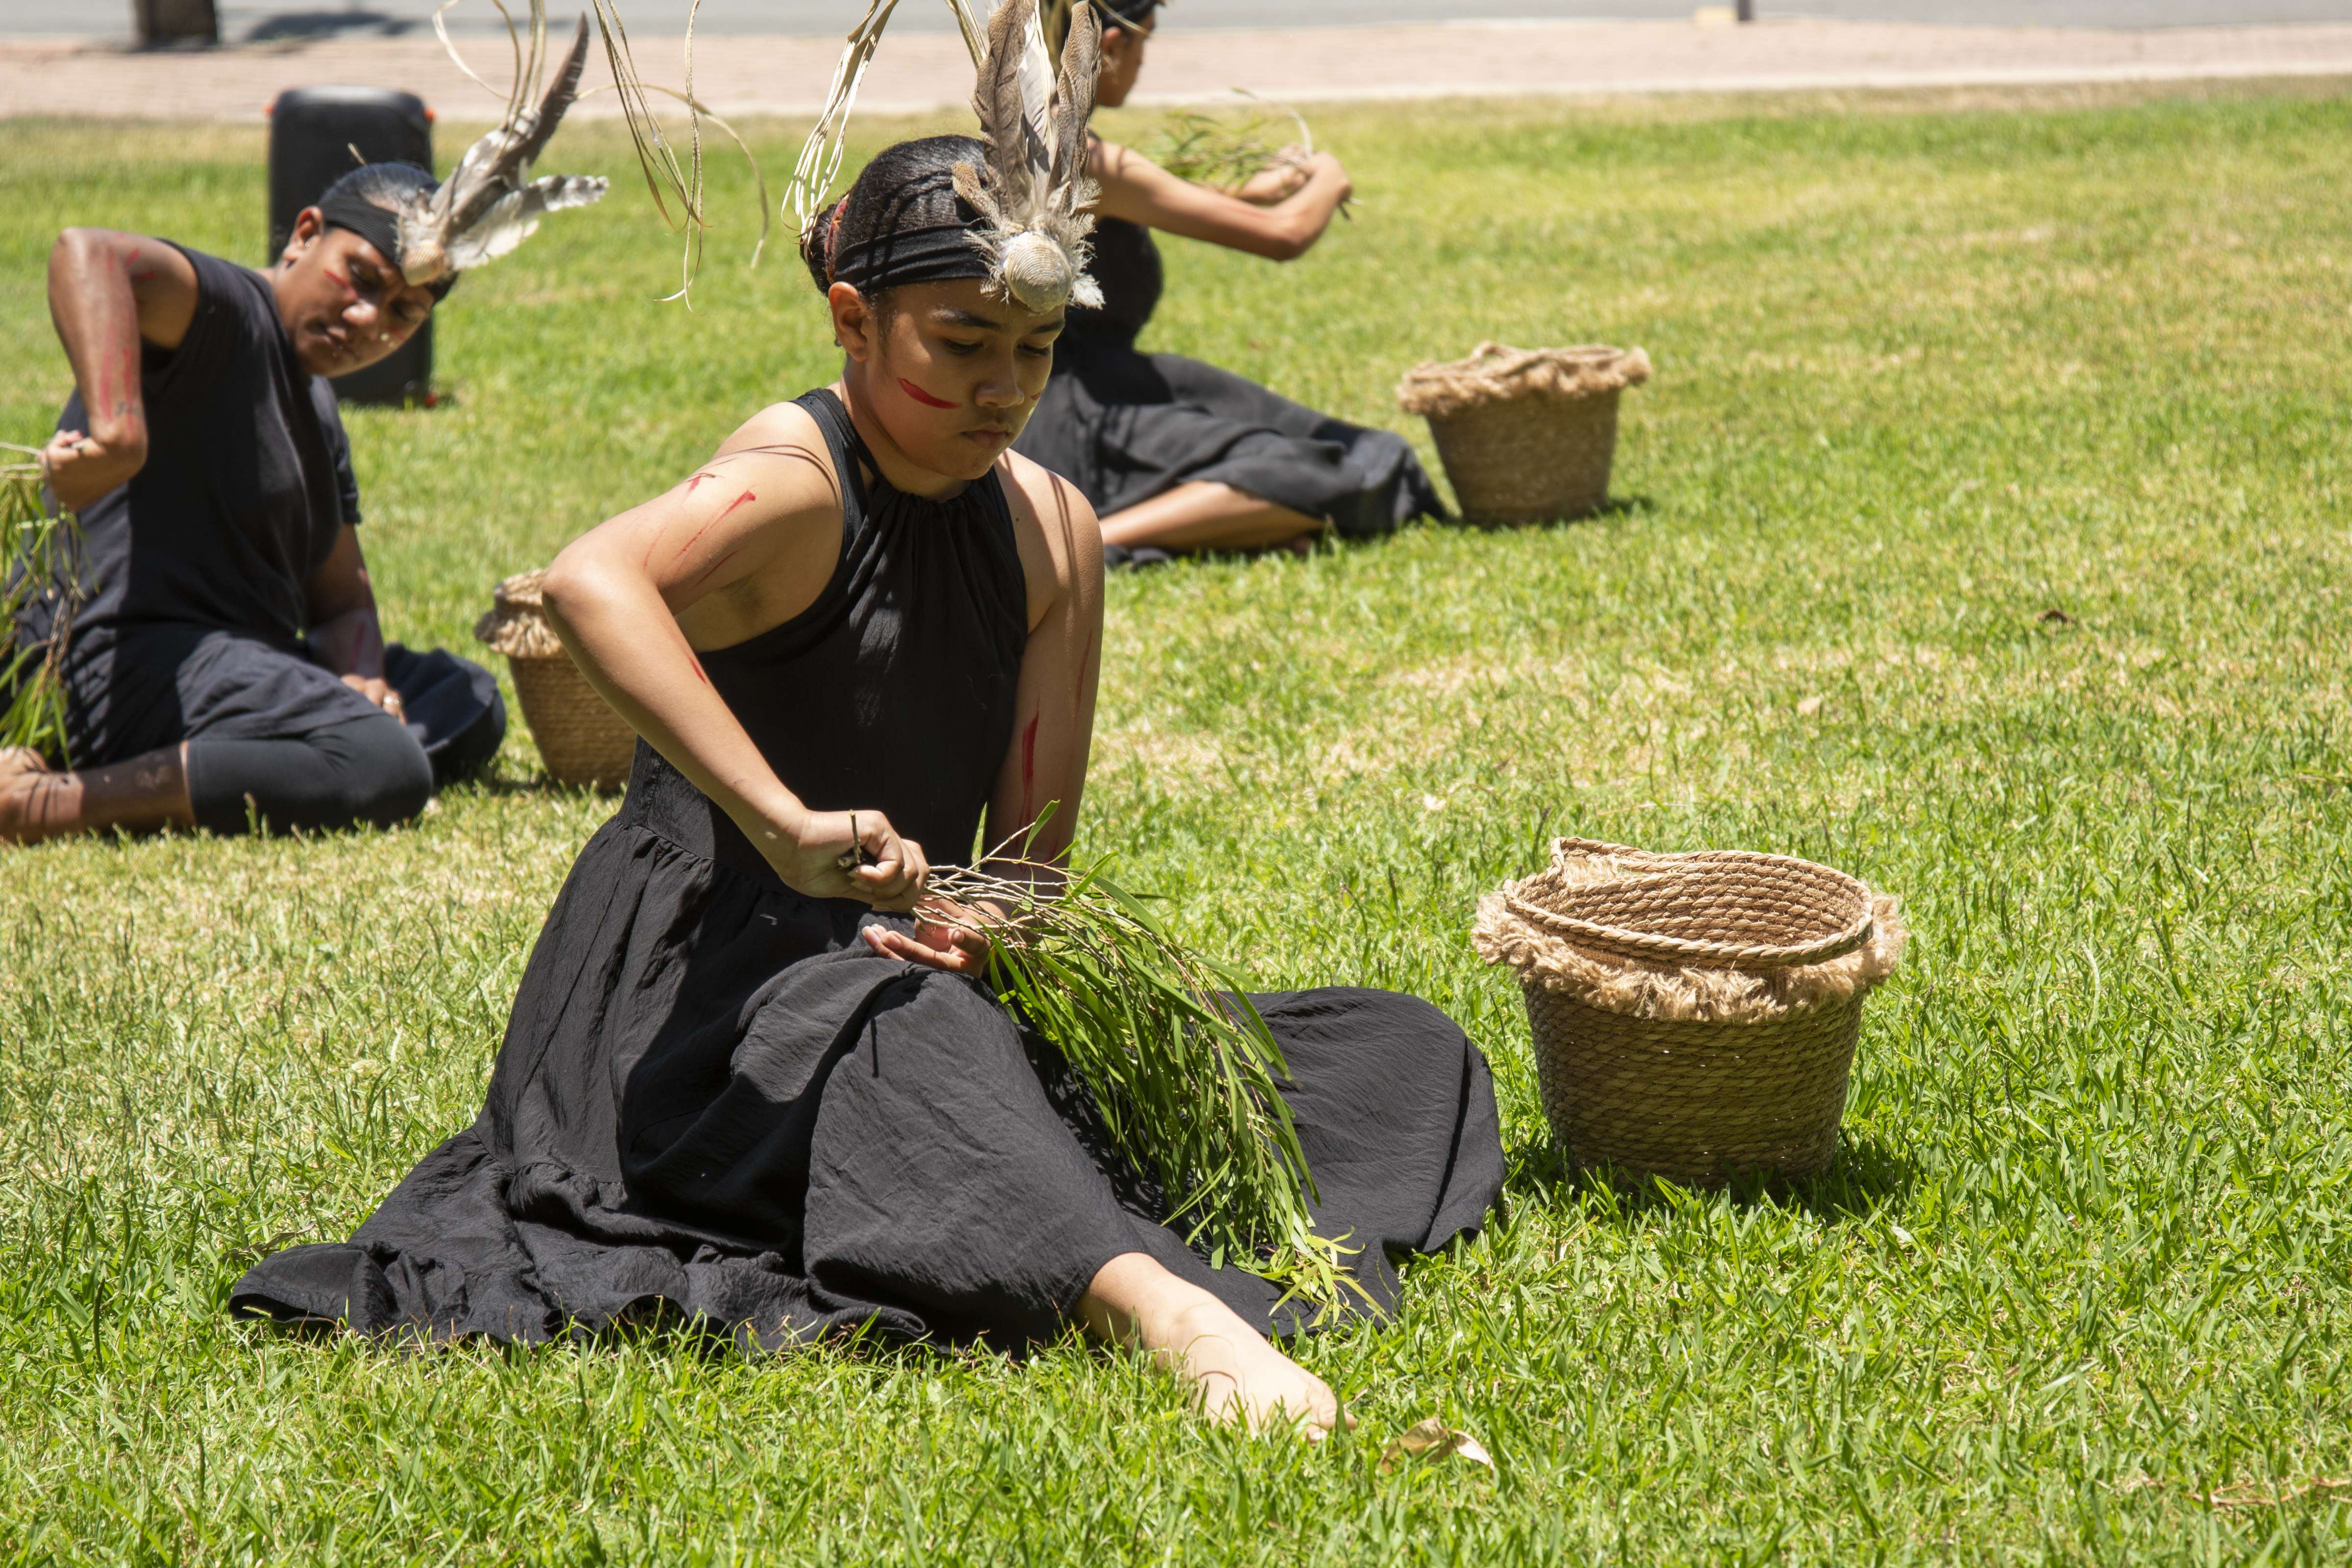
{"points": [[581, 738], [1695, 1016], [1527, 434]]}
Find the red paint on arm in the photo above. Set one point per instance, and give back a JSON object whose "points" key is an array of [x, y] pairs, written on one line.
{"points": [[1029, 773], [696, 537], [712, 569], [698, 480], [920, 395]]}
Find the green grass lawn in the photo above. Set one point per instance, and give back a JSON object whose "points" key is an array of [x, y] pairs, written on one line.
{"points": [[2077, 1289]]}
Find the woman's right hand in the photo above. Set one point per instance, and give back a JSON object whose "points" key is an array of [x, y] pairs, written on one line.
{"points": [[80, 469], [852, 855]]}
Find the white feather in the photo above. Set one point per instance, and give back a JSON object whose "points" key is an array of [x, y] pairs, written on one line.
{"points": [[1036, 76], [515, 215]]}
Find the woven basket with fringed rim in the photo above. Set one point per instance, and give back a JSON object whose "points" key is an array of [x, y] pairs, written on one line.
{"points": [[582, 740], [1527, 434], [1695, 1016]]}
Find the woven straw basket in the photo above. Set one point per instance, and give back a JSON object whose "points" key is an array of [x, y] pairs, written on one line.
{"points": [[582, 740], [1695, 1016], [1527, 434]]}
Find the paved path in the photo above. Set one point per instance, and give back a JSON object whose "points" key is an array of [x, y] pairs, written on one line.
{"points": [[249, 21], [917, 72]]}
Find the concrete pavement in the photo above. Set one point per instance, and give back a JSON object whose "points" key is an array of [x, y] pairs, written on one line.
{"points": [[269, 21], [918, 71]]}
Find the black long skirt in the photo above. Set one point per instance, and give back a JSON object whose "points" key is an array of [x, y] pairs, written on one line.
{"points": [[1126, 426], [714, 1101]]}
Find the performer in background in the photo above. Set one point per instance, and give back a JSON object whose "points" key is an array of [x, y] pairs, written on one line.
{"points": [[225, 663], [1174, 454]]}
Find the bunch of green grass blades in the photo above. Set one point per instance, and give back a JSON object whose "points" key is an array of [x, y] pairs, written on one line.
{"points": [[1181, 1066], [40, 548], [1228, 150]]}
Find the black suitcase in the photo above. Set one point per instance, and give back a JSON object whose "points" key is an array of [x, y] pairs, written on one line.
{"points": [[312, 134]]}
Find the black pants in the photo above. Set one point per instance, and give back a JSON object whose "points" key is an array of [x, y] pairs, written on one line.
{"points": [[369, 770]]}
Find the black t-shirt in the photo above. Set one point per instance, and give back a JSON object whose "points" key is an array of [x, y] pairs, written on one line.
{"points": [[246, 487], [247, 482]]}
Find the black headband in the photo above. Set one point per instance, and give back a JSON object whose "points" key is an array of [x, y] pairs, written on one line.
{"points": [[933, 253], [1135, 15], [344, 209]]}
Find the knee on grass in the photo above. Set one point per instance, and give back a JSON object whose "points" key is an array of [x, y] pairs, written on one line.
{"points": [[364, 771]]}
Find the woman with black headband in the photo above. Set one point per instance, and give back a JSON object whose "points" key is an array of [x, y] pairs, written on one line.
{"points": [[751, 1077], [223, 661], [1174, 454]]}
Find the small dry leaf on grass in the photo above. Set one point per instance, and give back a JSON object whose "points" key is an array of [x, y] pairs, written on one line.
{"points": [[1433, 1439], [1808, 706], [2258, 1494]]}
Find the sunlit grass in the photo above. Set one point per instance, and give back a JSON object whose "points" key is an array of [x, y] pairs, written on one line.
{"points": [[1983, 533]]}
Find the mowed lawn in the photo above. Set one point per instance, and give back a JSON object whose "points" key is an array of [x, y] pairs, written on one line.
{"points": [[1984, 533]]}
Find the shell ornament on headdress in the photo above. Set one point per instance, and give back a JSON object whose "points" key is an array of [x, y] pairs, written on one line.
{"points": [[489, 204], [1035, 194]]}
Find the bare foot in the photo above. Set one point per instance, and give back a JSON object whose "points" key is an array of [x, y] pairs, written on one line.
{"points": [[1236, 1372], [1240, 1378], [26, 783]]}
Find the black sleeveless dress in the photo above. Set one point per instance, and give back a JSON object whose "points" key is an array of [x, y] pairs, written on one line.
{"points": [[1124, 426], [714, 1101]]}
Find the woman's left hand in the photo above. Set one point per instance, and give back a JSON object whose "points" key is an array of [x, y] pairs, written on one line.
{"points": [[1278, 180], [947, 935]]}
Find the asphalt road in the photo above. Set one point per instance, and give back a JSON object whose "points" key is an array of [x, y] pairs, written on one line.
{"points": [[244, 21]]}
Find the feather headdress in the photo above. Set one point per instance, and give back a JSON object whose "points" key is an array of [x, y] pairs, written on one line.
{"points": [[1035, 191], [489, 204]]}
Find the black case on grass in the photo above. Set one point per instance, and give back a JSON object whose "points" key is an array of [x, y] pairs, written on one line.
{"points": [[312, 132]]}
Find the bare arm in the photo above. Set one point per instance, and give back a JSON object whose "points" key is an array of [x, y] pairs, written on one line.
{"points": [[1045, 770], [1140, 191], [745, 541], [345, 634], [110, 292]]}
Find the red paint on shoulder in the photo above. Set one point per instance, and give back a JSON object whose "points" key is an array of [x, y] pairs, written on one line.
{"points": [[698, 480], [920, 395], [738, 500]]}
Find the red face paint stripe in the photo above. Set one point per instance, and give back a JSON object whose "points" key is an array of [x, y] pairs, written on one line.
{"points": [[920, 395]]}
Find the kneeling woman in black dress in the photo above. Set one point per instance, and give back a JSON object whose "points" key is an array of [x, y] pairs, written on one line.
{"points": [[748, 1086], [1174, 454]]}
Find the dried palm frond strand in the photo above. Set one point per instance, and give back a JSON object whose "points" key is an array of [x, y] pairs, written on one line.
{"points": [[820, 156], [1181, 1065], [40, 556]]}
